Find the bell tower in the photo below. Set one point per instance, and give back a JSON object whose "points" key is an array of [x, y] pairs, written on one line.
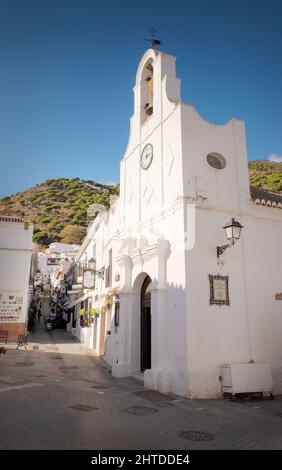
{"points": [[153, 148], [147, 98]]}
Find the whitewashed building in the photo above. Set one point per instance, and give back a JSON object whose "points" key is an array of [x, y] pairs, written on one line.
{"points": [[55, 261], [15, 265], [171, 304]]}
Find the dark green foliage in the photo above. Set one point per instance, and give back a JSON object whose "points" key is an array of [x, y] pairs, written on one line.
{"points": [[57, 203], [42, 238], [70, 214], [56, 225], [42, 219], [50, 181], [49, 207]]}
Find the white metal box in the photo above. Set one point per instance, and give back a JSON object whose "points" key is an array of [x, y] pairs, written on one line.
{"points": [[246, 378]]}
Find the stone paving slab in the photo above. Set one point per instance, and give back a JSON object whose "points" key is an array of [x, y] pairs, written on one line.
{"points": [[69, 400]]}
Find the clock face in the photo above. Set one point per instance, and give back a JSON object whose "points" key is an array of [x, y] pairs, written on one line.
{"points": [[146, 156]]}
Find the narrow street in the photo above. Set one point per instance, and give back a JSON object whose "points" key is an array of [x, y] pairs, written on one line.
{"points": [[56, 395]]}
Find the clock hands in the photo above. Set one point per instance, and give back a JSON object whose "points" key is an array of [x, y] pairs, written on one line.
{"points": [[147, 156]]}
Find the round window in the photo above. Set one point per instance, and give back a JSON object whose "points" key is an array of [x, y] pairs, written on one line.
{"points": [[216, 161]]}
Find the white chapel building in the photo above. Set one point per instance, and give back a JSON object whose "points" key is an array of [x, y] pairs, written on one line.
{"points": [[174, 299]]}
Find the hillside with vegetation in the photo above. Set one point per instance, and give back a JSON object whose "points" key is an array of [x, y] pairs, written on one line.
{"points": [[60, 209], [266, 175]]}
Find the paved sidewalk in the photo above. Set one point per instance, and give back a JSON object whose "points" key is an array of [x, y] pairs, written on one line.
{"points": [[57, 395]]}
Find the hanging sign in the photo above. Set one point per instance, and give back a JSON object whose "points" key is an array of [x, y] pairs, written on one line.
{"points": [[88, 279]]}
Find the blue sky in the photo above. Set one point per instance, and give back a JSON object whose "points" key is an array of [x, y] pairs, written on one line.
{"points": [[68, 69]]}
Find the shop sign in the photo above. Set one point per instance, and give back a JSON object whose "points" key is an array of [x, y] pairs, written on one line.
{"points": [[88, 279]]}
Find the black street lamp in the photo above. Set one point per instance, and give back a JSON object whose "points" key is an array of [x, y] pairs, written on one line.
{"points": [[92, 264], [101, 273], [232, 232]]}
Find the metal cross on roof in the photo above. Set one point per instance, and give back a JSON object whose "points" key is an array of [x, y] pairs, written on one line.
{"points": [[154, 42]]}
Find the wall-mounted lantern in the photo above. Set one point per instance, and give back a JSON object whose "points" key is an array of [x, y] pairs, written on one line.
{"points": [[92, 264], [232, 232], [101, 273]]}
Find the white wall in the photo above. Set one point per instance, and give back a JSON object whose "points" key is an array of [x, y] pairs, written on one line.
{"points": [[227, 187], [249, 328], [15, 260]]}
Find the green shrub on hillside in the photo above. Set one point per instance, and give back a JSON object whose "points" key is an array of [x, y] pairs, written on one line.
{"points": [[43, 220], [266, 174], [73, 234], [57, 203], [42, 238]]}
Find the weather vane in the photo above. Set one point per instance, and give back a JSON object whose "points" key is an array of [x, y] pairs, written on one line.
{"points": [[154, 42]]}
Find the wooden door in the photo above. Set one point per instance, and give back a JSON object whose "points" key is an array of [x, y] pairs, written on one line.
{"points": [[145, 353]]}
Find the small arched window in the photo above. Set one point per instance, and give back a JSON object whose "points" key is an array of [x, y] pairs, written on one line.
{"points": [[147, 91]]}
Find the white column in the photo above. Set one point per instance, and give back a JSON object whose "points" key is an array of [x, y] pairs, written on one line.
{"points": [[158, 377], [121, 366]]}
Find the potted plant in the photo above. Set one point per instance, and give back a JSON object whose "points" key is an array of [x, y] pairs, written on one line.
{"points": [[81, 313], [96, 312]]}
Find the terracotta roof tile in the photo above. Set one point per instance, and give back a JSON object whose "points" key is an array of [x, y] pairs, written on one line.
{"points": [[265, 197]]}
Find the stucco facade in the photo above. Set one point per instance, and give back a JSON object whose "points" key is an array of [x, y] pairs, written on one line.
{"points": [[15, 264], [166, 225]]}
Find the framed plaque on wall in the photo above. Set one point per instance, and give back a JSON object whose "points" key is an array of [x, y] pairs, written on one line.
{"points": [[219, 291]]}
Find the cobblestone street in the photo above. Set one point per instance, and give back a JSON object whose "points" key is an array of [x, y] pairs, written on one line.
{"points": [[56, 395]]}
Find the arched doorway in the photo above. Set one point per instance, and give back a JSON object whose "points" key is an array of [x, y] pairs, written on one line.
{"points": [[145, 324]]}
